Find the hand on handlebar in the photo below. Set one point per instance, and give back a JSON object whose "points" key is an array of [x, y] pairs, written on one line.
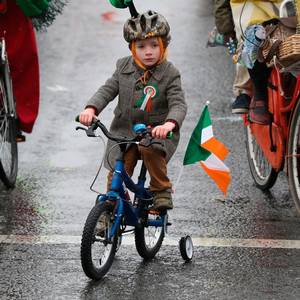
{"points": [[161, 131], [87, 116]]}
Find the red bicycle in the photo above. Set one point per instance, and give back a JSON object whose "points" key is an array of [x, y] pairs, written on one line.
{"points": [[270, 147]]}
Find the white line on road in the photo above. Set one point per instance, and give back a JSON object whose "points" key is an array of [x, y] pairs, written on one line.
{"points": [[169, 241], [228, 119]]}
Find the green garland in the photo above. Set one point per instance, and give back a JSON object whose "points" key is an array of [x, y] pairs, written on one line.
{"points": [[42, 12], [120, 3]]}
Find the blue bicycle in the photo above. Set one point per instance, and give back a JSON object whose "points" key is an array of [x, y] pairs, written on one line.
{"points": [[114, 212]]}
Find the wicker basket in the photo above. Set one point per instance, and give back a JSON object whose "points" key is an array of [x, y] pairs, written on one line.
{"points": [[289, 50], [275, 35]]}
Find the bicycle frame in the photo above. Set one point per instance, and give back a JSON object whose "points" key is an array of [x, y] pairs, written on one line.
{"points": [[273, 139], [124, 210]]}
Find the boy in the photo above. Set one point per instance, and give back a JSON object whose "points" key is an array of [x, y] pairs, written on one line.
{"points": [[149, 89]]}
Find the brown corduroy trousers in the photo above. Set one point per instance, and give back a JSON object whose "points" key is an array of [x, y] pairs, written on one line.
{"points": [[155, 163]]}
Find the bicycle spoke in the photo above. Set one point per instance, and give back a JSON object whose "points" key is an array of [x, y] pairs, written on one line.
{"points": [[152, 236], [262, 172], [5, 147]]}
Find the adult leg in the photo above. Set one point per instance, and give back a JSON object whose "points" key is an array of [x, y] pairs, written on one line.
{"points": [[242, 89], [259, 75]]}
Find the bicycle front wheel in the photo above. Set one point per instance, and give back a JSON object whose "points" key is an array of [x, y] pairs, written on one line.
{"points": [[148, 239], [97, 252], [8, 143], [293, 158], [261, 170]]}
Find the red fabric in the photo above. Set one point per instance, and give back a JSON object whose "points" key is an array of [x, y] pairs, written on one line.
{"points": [[3, 6], [23, 59]]}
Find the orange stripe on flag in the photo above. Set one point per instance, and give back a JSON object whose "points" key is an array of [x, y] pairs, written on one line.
{"points": [[216, 147], [221, 178]]}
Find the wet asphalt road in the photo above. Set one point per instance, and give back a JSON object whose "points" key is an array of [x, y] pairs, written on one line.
{"points": [[57, 164]]}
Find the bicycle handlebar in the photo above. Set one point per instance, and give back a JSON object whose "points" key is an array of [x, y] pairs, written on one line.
{"points": [[97, 124]]}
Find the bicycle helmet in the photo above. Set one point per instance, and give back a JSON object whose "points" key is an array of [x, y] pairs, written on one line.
{"points": [[148, 24]]}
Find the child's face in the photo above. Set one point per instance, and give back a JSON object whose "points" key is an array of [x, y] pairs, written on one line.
{"points": [[148, 51]]}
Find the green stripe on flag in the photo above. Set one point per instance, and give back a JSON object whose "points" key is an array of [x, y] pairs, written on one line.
{"points": [[205, 116], [194, 152]]}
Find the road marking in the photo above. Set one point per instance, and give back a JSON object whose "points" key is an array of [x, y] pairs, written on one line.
{"points": [[228, 119], [169, 241], [57, 88]]}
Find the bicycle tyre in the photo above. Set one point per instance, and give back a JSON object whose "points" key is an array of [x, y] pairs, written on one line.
{"points": [[94, 266], [293, 162], [148, 239], [262, 172], [8, 143]]}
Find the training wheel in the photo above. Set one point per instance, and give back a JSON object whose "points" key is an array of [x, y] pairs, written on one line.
{"points": [[186, 248]]}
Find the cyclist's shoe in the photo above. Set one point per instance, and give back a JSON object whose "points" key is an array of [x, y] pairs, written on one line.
{"points": [[20, 137], [162, 201], [241, 104], [259, 113]]}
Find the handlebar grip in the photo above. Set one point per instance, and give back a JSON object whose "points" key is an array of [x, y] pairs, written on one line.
{"points": [[170, 135], [77, 118]]}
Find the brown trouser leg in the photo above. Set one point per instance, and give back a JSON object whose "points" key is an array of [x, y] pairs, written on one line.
{"points": [[130, 160], [155, 163]]}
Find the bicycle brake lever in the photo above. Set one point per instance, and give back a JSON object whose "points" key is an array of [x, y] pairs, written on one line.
{"points": [[79, 127], [89, 132]]}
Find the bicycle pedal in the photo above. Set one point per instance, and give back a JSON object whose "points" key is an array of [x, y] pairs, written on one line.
{"points": [[169, 224]]}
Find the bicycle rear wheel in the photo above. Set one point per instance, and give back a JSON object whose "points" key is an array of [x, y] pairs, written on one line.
{"points": [[261, 170], [293, 158], [8, 144], [97, 253], [148, 239]]}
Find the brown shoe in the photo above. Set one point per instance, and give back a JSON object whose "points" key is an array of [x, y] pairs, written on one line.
{"points": [[20, 138], [162, 201], [258, 113]]}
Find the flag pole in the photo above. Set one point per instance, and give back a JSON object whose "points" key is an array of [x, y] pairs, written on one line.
{"points": [[177, 180]]}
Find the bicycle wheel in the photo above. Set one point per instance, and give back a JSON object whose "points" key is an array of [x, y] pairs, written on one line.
{"points": [[8, 144], [97, 254], [148, 239], [262, 172], [293, 158]]}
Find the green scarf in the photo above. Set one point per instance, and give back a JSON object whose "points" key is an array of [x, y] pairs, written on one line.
{"points": [[33, 8], [42, 12]]}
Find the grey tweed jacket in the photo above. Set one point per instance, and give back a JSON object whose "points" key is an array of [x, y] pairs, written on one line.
{"points": [[169, 103]]}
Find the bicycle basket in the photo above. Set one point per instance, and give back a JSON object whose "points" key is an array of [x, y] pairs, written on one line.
{"points": [[276, 34], [289, 50]]}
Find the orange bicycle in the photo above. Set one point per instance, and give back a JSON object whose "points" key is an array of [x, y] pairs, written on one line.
{"points": [[270, 147]]}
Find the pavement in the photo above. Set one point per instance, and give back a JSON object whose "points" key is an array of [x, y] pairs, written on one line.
{"points": [[246, 244]]}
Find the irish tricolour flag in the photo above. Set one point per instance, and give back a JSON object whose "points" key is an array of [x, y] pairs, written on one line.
{"points": [[210, 152]]}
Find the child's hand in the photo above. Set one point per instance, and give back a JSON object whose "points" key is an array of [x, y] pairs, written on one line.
{"points": [[161, 131], [86, 117]]}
